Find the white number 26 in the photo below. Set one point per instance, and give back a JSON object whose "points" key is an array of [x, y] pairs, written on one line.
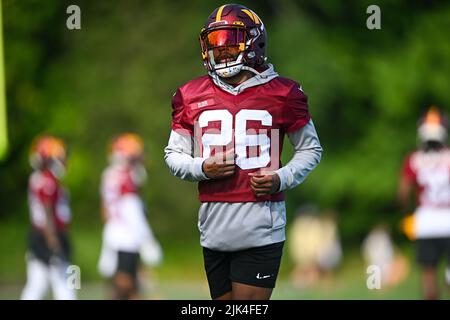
{"points": [[242, 138]]}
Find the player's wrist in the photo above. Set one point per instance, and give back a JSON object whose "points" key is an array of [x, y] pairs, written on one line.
{"points": [[276, 183], [203, 167], [282, 179], [200, 170], [206, 168]]}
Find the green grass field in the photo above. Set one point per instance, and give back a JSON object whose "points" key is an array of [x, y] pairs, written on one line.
{"points": [[181, 274]]}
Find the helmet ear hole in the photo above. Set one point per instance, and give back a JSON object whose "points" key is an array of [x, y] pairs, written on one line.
{"points": [[261, 45], [260, 61]]}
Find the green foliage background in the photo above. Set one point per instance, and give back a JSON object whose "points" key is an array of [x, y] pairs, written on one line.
{"points": [[366, 91]]}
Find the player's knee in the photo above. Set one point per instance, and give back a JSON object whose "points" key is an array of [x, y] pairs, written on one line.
{"points": [[124, 285], [252, 294]]}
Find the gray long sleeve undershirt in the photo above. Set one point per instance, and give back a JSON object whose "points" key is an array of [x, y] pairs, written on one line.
{"points": [[308, 151], [228, 226]]}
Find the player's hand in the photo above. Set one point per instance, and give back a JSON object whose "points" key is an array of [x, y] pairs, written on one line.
{"points": [[221, 165], [264, 183]]}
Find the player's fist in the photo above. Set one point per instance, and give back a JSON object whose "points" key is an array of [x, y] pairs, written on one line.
{"points": [[264, 183], [221, 165]]}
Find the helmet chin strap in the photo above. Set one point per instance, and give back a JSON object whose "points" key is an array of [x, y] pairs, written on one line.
{"points": [[250, 69], [229, 72], [244, 67], [235, 68]]}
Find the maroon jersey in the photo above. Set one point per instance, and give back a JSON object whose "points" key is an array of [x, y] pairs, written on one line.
{"points": [[430, 172], [253, 123], [117, 181], [44, 190]]}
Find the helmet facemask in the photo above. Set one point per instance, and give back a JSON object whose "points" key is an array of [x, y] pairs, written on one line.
{"points": [[432, 132], [48, 152], [57, 166], [225, 49]]}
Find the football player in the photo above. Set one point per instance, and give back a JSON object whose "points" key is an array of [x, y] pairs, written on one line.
{"points": [[227, 133], [48, 253], [127, 236], [426, 172]]}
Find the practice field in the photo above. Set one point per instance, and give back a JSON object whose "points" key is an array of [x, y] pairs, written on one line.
{"points": [[181, 274], [348, 283], [180, 290]]}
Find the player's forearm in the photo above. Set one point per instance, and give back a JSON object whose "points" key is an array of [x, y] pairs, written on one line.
{"points": [[50, 230], [404, 190], [104, 212], [308, 153], [179, 159]]}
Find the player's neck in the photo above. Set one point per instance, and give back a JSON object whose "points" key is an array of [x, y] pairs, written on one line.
{"points": [[239, 78]]}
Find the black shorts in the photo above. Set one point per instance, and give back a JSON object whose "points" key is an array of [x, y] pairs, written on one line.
{"points": [[128, 263], [430, 251], [255, 266], [37, 246]]}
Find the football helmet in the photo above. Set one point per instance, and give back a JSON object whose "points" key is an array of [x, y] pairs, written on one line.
{"points": [[233, 39], [128, 149], [432, 127], [48, 151], [125, 147]]}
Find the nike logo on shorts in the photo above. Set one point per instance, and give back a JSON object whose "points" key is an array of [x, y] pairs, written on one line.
{"points": [[258, 276]]}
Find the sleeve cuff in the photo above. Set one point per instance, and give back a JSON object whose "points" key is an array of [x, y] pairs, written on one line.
{"points": [[198, 169], [286, 178]]}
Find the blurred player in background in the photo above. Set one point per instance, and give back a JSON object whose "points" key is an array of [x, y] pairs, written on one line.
{"points": [[228, 129], [314, 246], [427, 173], [379, 249], [48, 252], [127, 236]]}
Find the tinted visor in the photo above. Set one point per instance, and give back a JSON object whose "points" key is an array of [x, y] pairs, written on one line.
{"points": [[224, 37]]}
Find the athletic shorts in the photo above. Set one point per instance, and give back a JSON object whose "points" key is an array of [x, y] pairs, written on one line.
{"points": [[128, 262], [38, 248], [255, 267], [430, 251]]}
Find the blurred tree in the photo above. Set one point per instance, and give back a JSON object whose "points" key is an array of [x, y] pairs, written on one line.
{"points": [[32, 42]]}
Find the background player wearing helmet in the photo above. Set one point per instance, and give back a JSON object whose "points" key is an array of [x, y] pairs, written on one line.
{"points": [[427, 173], [48, 252], [127, 236], [227, 134]]}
